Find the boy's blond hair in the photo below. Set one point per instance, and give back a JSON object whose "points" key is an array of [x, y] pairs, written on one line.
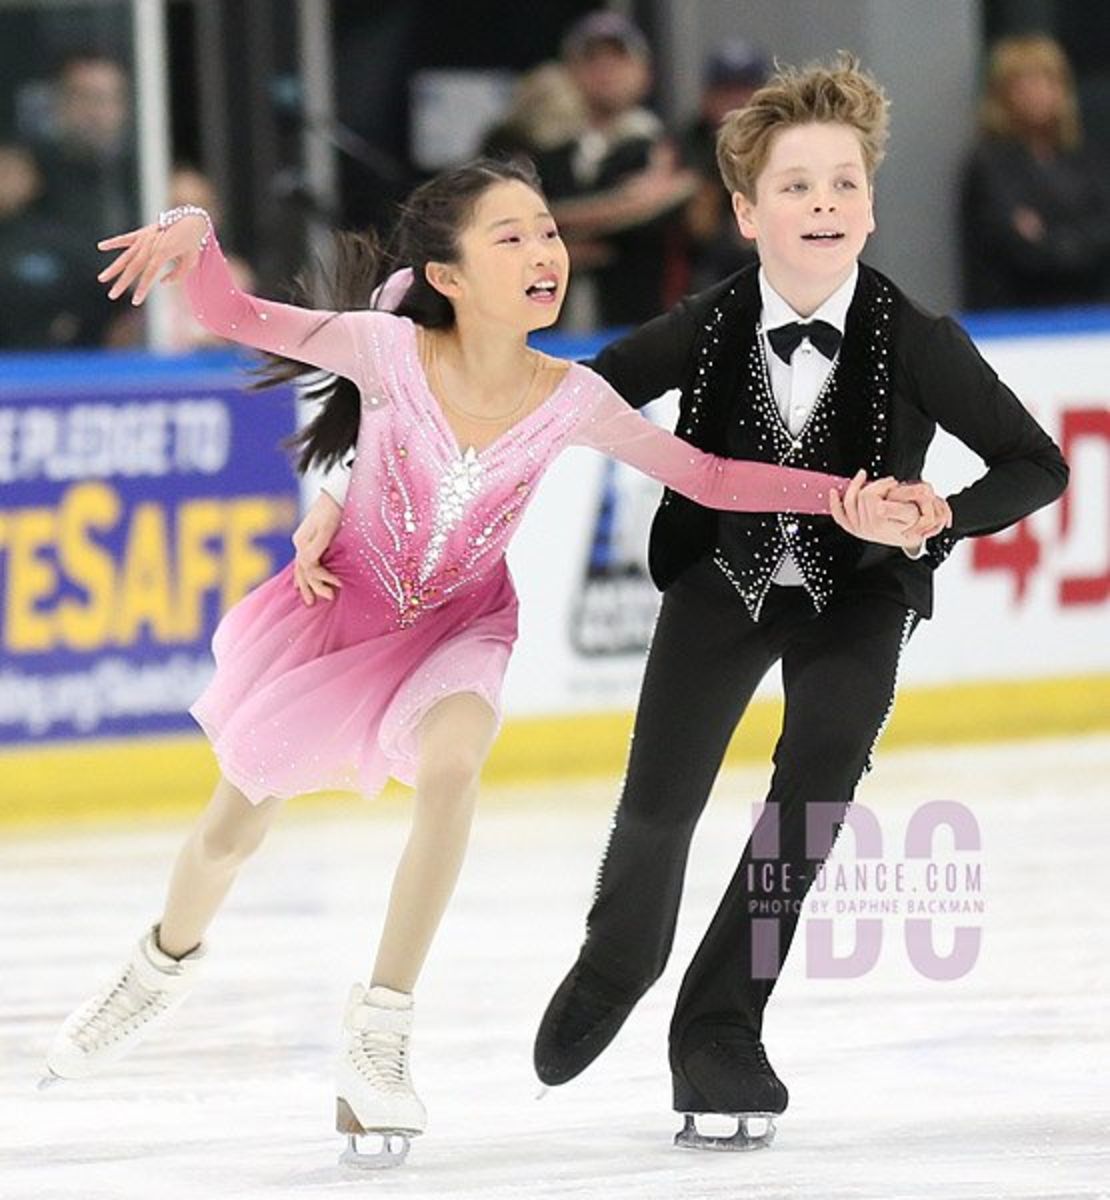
{"points": [[840, 93]]}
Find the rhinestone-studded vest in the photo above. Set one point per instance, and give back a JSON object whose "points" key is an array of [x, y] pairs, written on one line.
{"points": [[728, 407]]}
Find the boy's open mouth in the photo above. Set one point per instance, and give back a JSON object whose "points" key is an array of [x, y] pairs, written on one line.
{"points": [[829, 235]]}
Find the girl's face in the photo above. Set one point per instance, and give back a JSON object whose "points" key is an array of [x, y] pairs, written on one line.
{"points": [[513, 267]]}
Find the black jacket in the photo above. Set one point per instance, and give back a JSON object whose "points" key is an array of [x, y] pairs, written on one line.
{"points": [[1069, 263], [937, 377]]}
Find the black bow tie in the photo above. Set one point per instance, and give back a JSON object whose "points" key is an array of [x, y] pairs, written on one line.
{"points": [[786, 338]]}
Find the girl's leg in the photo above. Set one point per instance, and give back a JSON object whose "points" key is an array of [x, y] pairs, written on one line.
{"points": [[161, 970], [229, 830], [455, 738]]}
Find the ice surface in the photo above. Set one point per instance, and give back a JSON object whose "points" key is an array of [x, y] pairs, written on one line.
{"points": [[992, 1085]]}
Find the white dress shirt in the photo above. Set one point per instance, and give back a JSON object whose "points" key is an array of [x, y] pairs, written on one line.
{"points": [[797, 384]]}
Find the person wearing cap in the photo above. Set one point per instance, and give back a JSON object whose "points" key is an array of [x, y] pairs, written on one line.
{"points": [[733, 73], [615, 188]]}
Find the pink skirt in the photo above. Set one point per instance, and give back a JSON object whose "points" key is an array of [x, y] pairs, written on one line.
{"points": [[330, 696]]}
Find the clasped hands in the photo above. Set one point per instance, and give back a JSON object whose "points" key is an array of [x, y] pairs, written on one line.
{"points": [[889, 512]]}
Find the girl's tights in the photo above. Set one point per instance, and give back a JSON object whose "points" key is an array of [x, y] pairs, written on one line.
{"points": [[454, 739]]}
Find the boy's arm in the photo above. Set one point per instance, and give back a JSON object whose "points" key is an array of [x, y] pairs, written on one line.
{"points": [[338, 479], [959, 390], [651, 360]]}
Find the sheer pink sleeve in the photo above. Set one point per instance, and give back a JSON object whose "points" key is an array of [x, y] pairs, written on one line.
{"points": [[612, 427], [322, 339]]}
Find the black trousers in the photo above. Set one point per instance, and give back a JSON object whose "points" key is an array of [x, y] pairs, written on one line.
{"points": [[707, 656]]}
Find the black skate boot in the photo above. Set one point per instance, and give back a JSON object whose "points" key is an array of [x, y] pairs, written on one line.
{"points": [[582, 1018], [728, 1075]]}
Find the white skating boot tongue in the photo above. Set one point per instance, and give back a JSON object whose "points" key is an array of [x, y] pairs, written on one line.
{"points": [[374, 1091]]}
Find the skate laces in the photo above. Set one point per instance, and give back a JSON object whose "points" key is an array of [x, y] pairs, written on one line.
{"points": [[749, 1056], [126, 1004], [381, 1058]]}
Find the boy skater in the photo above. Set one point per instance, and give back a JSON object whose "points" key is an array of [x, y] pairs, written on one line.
{"points": [[812, 360]]}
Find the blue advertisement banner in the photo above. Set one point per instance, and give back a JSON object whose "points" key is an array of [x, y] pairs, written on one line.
{"points": [[136, 506]]}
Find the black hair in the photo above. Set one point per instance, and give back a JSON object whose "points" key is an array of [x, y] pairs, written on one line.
{"points": [[427, 230]]}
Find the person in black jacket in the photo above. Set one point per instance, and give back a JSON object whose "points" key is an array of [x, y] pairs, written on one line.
{"points": [[1036, 200], [816, 360]]}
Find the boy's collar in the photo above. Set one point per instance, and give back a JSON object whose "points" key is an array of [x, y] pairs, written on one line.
{"points": [[776, 311]]}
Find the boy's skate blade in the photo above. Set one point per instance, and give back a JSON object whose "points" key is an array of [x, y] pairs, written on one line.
{"points": [[392, 1144], [745, 1138]]}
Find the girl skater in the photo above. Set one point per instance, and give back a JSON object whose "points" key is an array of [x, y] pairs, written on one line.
{"points": [[455, 419]]}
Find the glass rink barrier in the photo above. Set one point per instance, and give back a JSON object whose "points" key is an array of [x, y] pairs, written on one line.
{"points": [[71, 144]]}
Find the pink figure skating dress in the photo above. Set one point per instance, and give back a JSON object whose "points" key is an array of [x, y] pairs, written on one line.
{"points": [[330, 696]]}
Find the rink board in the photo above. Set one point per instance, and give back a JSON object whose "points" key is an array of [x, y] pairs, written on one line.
{"points": [[1018, 646], [139, 778]]}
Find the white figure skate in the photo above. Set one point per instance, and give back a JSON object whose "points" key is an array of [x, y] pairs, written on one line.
{"points": [[146, 990], [373, 1089]]}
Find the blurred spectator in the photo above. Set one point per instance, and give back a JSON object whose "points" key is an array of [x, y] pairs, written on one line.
{"points": [[615, 188], [87, 156], [1036, 203], [47, 273], [732, 75], [547, 110]]}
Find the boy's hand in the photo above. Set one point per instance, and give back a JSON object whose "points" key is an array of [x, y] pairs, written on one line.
{"points": [[889, 513], [147, 250], [311, 539], [935, 513]]}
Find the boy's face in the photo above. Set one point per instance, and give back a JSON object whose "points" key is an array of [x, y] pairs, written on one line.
{"points": [[812, 212]]}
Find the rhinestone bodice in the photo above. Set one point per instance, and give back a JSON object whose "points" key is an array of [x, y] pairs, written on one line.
{"points": [[426, 518]]}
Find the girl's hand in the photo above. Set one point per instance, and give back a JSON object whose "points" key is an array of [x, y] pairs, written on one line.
{"points": [[145, 251], [886, 512], [311, 539]]}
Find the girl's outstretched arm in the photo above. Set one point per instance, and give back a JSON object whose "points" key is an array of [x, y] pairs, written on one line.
{"points": [[740, 486], [185, 241], [715, 482]]}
